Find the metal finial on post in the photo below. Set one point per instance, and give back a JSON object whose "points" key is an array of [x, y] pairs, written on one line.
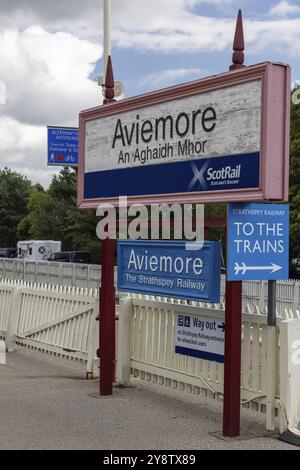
{"points": [[109, 91], [238, 44]]}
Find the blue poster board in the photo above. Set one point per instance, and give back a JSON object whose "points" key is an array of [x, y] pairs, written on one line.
{"points": [[170, 269], [62, 146], [258, 242]]}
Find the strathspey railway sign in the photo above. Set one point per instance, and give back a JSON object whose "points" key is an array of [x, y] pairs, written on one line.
{"points": [[257, 242], [170, 269], [219, 139]]}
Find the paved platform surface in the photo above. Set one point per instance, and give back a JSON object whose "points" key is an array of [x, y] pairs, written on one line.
{"points": [[46, 403]]}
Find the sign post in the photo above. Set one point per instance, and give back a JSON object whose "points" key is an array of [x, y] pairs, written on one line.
{"points": [[271, 303], [107, 318], [272, 355], [232, 362], [62, 146], [257, 249], [107, 290], [233, 303]]}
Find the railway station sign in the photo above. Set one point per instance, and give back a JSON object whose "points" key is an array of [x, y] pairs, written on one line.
{"points": [[258, 242], [218, 139], [201, 337], [62, 146], [170, 269]]}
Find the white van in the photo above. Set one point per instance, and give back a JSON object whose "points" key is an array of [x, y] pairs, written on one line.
{"points": [[37, 250]]}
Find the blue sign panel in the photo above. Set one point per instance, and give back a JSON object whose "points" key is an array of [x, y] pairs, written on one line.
{"points": [[62, 146], [207, 174], [171, 269], [258, 242]]}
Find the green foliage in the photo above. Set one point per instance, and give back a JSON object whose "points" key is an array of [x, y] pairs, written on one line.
{"points": [[42, 220], [53, 215], [295, 182], [15, 190], [80, 232]]}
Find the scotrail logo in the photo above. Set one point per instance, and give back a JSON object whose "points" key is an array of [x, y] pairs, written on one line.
{"points": [[225, 173], [208, 174]]}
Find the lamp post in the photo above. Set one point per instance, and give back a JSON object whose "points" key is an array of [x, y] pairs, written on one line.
{"points": [[106, 33], [118, 86]]}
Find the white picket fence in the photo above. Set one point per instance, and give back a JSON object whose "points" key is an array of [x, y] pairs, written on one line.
{"points": [[270, 379], [62, 320], [55, 319], [46, 272], [89, 277], [255, 294]]}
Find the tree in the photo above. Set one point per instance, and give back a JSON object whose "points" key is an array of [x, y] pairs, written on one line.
{"points": [[295, 181], [41, 222], [80, 232], [15, 190], [63, 187], [53, 214]]}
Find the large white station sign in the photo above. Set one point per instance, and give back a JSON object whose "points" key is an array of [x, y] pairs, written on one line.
{"points": [[223, 138]]}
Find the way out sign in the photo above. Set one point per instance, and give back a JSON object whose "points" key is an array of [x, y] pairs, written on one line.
{"points": [[201, 337], [258, 242]]}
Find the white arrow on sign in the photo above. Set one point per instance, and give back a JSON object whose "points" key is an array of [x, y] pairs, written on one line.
{"points": [[243, 268]]}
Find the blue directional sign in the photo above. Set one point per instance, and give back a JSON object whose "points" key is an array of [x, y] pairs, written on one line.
{"points": [[258, 242], [62, 146], [170, 268]]}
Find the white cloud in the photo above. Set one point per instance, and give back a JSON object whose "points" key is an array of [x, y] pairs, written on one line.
{"points": [[21, 137], [46, 78], [85, 19], [199, 34], [2, 92], [284, 8], [273, 36], [193, 33], [168, 77], [23, 147], [75, 16], [46, 75], [150, 25]]}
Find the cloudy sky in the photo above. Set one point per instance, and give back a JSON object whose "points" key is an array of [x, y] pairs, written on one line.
{"points": [[51, 54]]}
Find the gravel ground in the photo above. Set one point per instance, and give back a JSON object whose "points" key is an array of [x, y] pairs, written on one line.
{"points": [[46, 403]]}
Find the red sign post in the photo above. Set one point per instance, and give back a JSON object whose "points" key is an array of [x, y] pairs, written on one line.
{"points": [[233, 304], [107, 290]]}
